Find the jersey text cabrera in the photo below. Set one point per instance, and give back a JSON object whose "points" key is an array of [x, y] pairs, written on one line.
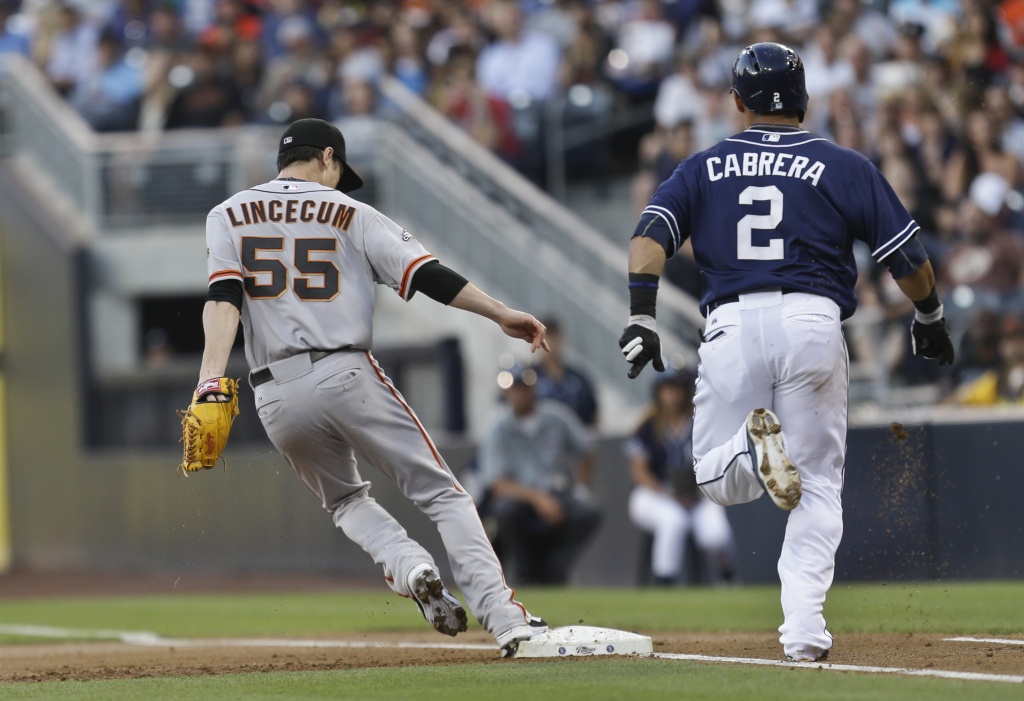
{"points": [[777, 208]]}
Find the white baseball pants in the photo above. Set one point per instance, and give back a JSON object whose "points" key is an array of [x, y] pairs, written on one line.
{"points": [[783, 352], [670, 523]]}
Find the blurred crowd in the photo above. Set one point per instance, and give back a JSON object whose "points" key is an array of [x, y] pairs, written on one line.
{"points": [[932, 91]]}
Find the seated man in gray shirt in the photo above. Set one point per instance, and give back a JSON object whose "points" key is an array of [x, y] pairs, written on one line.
{"points": [[536, 463]]}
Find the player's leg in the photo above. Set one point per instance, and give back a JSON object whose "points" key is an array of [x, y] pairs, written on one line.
{"points": [[386, 431], [327, 466], [811, 403], [669, 523], [733, 379]]}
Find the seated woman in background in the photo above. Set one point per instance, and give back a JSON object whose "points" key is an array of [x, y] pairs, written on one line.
{"points": [[665, 500]]}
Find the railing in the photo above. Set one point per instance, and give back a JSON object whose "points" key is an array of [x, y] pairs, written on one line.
{"points": [[591, 261]]}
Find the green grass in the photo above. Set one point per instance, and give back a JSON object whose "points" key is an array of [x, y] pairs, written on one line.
{"points": [[972, 608], [898, 608], [564, 680]]}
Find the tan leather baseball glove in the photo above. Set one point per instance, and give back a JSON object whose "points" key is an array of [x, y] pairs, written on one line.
{"points": [[207, 422]]}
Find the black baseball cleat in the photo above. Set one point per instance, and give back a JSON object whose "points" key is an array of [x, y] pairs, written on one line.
{"points": [[510, 639], [775, 471], [442, 610]]}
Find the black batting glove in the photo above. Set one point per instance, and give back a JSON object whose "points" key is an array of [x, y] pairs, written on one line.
{"points": [[640, 345], [931, 340]]}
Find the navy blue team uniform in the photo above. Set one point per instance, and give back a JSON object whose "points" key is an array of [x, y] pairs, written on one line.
{"points": [[773, 214], [779, 207]]}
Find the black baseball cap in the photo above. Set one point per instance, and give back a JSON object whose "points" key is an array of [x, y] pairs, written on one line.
{"points": [[320, 134]]}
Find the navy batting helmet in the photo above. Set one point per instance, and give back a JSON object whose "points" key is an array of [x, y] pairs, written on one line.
{"points": [[769, 77]]}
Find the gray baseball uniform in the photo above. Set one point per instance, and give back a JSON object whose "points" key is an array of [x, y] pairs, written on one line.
{"points": [[308, 257]]}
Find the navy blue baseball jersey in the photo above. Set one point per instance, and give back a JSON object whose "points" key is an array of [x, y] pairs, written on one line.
{"points": [[777, 207]]}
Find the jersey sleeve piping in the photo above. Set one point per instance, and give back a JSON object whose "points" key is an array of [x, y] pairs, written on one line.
{"points": [[225, 275], [669, 218], [410, 270], [896, 241]]}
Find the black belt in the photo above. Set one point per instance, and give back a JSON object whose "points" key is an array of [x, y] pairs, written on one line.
{"points": [[263, 376], [736, 298]]}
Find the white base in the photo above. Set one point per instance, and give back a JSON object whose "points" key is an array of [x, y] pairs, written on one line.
{"points": [[584, 641]]}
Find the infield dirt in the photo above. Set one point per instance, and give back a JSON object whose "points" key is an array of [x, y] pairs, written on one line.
{"points": [[109, 660]]}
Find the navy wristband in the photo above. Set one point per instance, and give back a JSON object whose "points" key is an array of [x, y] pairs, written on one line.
{"points": [[643, 294], [929, 304]]}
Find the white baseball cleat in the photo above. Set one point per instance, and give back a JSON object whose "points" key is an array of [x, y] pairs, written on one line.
{"points": [[442, 610], [807, 657], [510, 639], [775, 471]]}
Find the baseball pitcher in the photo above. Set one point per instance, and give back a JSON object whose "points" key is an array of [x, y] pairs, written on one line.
{"points": [[772, 214], [297, 261]]}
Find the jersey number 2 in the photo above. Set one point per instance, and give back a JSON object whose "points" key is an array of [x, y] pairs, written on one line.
{"points": [[745, 248], [308, 267]]}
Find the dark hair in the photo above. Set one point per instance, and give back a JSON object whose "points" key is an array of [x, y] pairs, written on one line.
{"points": [[299, 154]]}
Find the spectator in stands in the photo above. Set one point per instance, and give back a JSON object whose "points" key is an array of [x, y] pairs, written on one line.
{"points": [[981, 151], [979, 347], [644, 53], [13, 38], [204, 99], [486, 118], [795, 19], [987, 261], [562, 382], [521, 67], [1005, 383], [108, 97], [827, 70], [302, 62], [532, 462], [660, 152], [665, 500], [66, 47], [405, 58]]}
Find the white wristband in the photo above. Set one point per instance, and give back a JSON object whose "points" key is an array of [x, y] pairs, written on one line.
{"points": [[644, 320], [929, 318]]}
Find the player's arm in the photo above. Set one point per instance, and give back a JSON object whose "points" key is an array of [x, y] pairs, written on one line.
{"points": [[446, 286], [891, 232], [662, 229], [220, 325], [640, 343], [928, 332]]}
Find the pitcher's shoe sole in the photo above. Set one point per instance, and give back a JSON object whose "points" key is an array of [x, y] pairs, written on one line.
{"points": [[775, 471], [442, 610]]}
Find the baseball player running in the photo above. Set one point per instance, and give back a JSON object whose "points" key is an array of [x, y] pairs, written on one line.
{"points": [[772, 214], [297, 259]]}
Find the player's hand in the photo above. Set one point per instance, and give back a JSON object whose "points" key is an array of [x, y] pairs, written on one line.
{"points": [[522, 325], [641, 344], [932, 341]]}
